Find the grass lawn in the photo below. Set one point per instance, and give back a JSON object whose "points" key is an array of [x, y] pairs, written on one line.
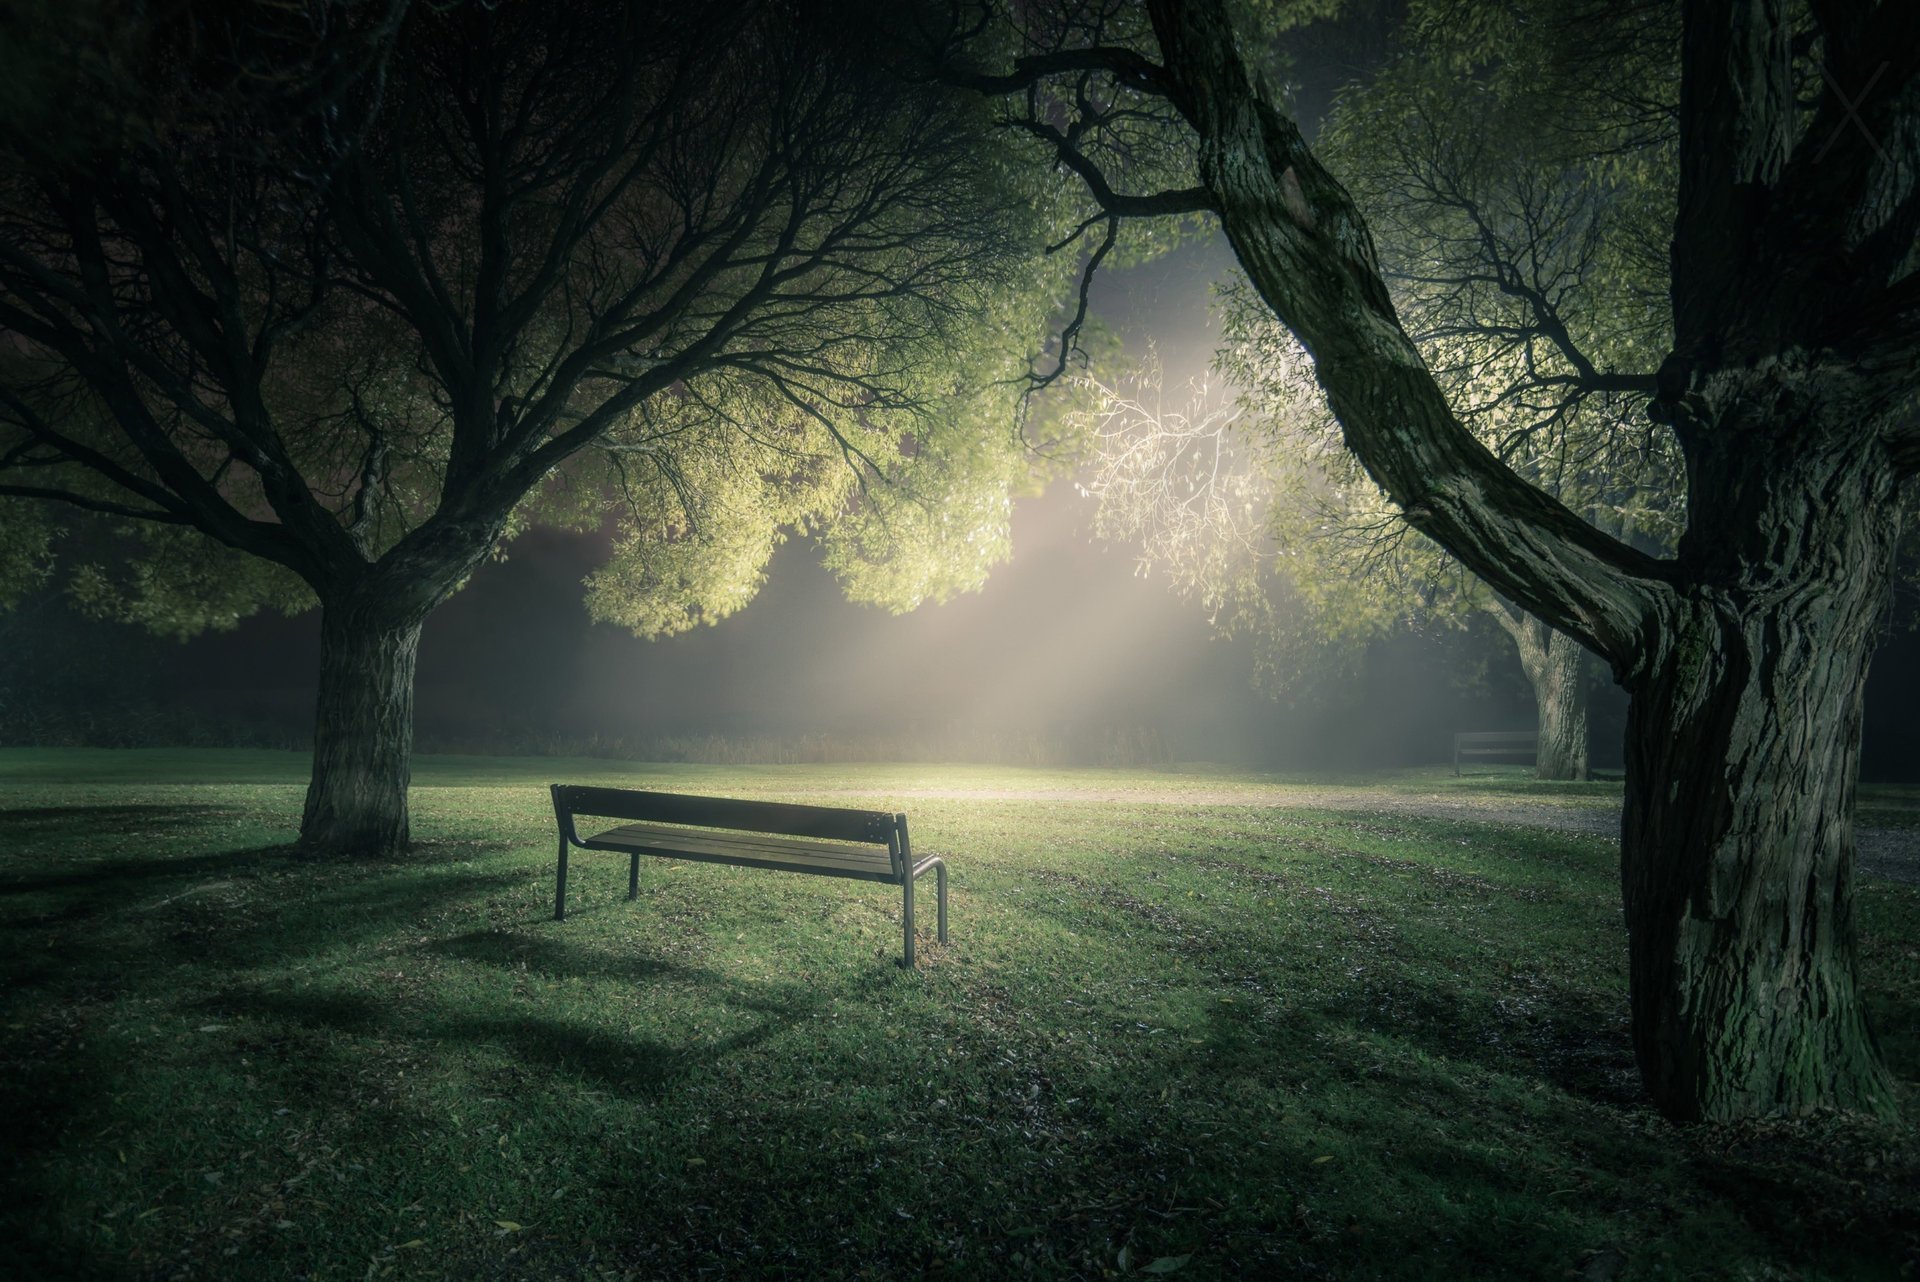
{"points": [[1191, 1023]]}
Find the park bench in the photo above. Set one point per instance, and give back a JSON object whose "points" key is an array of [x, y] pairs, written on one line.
{"points": [[1495, 743], [827, 841]]}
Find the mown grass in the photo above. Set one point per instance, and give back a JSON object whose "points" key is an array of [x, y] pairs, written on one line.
{"points": [[1182, 1030]]}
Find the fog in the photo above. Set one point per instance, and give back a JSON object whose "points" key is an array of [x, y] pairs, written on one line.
{"points": [[1068, 655]]}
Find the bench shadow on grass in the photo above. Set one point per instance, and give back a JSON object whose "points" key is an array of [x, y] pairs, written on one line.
{"points": [[622, 1062], [509, 950]]}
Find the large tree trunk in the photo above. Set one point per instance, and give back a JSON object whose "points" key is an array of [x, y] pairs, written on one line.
{"points": [[1556, 668], [1742, 751], [363, 729]]}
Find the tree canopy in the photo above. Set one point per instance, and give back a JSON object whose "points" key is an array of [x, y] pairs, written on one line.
{"points": [[335, 327], [1516, 203]]}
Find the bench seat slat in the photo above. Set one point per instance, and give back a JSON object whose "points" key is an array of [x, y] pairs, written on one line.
{"points": [[750, 850]]}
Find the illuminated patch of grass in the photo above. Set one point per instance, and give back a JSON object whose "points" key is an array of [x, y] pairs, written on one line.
{"points": [[1329, 1042]]}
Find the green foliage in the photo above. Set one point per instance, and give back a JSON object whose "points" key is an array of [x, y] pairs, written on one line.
{"points": [[1521, 210], [1520, 206], [796, 293], [26, 549], [182, 583], [1228, 502]]}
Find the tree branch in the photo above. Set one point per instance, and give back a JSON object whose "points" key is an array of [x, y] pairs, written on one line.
{"points": [[1310, 255], [1127, 66], [1184, 200], [94, 505]]}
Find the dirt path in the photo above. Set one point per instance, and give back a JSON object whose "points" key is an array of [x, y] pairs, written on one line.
{"points": [[1891, 853]]}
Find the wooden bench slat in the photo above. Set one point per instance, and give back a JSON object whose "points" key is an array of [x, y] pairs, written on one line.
{"points": [[1494, 743], [832, 823], [754, 850]]}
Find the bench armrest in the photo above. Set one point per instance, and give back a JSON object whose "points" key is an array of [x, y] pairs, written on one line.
{"points": [[563, 815]]}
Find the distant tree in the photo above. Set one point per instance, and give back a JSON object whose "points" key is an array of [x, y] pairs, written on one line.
{"points": [[328, 321], [1793, 300]]}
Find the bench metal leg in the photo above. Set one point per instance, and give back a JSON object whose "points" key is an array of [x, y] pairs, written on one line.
{"points": [[633, 878], [940, 893], [939, 867], [560, 886], [906, 917]]}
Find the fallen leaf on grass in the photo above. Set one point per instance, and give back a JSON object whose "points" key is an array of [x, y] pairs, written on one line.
{"points": [[1324, 1157], [1167, 1264], [408, 1246], [509, 1225]]}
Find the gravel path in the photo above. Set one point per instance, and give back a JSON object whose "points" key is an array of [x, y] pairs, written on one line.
{"points": [[1890, 853]]}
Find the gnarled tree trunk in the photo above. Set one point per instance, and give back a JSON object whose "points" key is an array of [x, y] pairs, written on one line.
{"points": [[370, 640], [363, 730], [1742, 752]]}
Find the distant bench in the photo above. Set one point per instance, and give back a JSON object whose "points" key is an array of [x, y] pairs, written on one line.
{"points": [[827, 841], [1495, 743]]}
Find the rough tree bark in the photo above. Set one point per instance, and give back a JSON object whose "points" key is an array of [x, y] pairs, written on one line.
{"points": [[363, 730], [369, 644], [1556, 669], [1742, 751]]}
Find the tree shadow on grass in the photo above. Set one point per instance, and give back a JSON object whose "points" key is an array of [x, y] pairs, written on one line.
{"points": [[32, 819], [1578, 1042], [543, 955], [121, 871], [125, 921], [1519, 1025], [1835, 1196], [335, 918]]}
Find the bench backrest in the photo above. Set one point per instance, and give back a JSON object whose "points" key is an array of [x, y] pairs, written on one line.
{"points": [[831, 823]]}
